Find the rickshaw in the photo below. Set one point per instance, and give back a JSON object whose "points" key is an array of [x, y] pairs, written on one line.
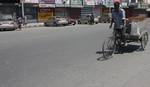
{"points": [[134, 30]]}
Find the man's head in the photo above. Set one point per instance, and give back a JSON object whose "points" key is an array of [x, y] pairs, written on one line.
{"points": [[116, 5]]}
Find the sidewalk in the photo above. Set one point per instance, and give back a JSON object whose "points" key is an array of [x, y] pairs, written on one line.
{"points": [[29, 25]]}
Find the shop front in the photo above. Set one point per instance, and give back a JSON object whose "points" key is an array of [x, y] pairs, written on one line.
{"points": [[44, 14], [88, 7], [62, 8], [148, 12], [11, 9], [46, 10], [60, 11], [30, 10], [75, 8]]}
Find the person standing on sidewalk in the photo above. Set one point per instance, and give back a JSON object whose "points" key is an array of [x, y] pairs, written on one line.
{"points": [[19, 22]]}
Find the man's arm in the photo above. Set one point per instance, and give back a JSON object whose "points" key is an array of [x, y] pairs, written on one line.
{"points": [[111, 23], [124, 16]]}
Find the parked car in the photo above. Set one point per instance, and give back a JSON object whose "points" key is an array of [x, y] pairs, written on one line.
{"points": [[104, 19], [84, 19], [96, 19], [55, 21], [7, 23]]}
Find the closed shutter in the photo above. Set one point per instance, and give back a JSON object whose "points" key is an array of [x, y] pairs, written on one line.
{"points": [[86, 10]]}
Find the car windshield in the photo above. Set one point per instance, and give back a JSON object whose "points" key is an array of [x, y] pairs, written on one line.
{"points": [[6, 18]]}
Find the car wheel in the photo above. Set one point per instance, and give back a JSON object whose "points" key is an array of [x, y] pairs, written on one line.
{"points": [[74, 23], [55, 24]]}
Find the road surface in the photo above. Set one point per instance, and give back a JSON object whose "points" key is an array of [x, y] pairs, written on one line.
{"points": [[66, 57]]}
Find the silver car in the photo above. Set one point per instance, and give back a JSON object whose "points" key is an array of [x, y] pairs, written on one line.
{"points": [[56, 20], [7, 23]]}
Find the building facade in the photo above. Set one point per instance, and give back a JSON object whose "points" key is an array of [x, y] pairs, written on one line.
{"points": [[41, 10]]}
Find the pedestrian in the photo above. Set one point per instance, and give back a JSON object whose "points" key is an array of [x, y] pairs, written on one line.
{"points": [[19, 22], [91, 16], [25, 20]]}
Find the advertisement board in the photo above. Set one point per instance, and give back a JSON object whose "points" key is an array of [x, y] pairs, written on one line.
{"points": [[44, 14]]}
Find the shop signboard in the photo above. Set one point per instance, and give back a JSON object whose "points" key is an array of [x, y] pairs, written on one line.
{"points": [[31, 1], [62, 3], [58, 2], [148, 1], [97, 2], [76, 3], [89, 2], [124, 3], [44, 14], [109, 3], [47, 1], [46, 5]]}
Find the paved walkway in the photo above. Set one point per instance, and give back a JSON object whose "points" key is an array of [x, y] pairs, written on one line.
{"points": [[33, 25]]}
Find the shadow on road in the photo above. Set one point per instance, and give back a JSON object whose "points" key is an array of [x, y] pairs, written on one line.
{"points": [[130, 48]]}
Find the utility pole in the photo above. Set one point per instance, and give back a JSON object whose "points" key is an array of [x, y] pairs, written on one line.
{"points": [[101, 9], [22, 6], [64, 2], [109, 9]]}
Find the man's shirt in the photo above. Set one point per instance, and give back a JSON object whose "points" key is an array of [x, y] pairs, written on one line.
{"points": [[117, 18]]}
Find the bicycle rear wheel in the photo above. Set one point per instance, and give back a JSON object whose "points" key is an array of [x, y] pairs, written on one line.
{"points": [[108, 48]]}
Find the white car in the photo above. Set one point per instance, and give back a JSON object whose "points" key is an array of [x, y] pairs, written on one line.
{"points": [[7, 23]]}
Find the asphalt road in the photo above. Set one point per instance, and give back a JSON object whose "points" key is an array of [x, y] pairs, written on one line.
{"points": [[66, 57]]}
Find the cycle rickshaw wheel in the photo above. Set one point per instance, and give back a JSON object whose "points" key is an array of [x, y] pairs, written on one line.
{"points": [[144, 40], [108, 48]]}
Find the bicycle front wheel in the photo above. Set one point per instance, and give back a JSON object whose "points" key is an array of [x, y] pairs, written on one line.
{"points": [[108, 48]]}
